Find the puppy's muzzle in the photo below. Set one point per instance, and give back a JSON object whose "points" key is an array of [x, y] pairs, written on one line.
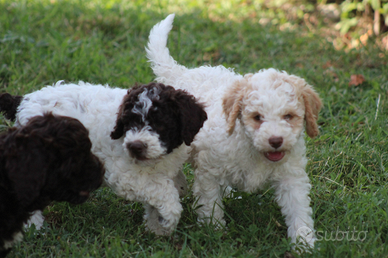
{"points": [[275, 142], [137, 149]]}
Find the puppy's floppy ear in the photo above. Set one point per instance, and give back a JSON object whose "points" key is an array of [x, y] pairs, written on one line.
{"points": [[118, 130], [125, 107], [313, 105], [28, 172], [192, 115], [232, 102]]}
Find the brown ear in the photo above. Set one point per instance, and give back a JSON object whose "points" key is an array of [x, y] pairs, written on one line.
{"points": [[193, 115], [118, 130], [232, 103], [9, 105], [313, 105]]}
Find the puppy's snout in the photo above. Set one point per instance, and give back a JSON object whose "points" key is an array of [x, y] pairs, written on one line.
{"points": [[275, 142], [137, 149]]}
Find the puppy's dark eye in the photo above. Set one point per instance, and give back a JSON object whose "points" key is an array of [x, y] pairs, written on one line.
{"points": [[288, 117], [257, 117]]}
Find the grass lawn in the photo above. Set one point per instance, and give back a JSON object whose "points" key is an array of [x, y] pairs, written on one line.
{"points": [[97, 41]]}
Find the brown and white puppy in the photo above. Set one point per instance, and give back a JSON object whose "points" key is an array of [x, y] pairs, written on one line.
{"points": [[142, 135], [254, 135]]}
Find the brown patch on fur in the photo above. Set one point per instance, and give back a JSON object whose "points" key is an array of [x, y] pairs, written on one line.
{"points": [[296, 122], [178, 119], [9, 105], [313, 105], [252, 122], [118, 130], [232, 102]]}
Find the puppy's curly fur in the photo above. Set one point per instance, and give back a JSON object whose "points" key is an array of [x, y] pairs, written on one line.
{"points": [[9, 104], [48, 159], [140, 134], [254, 135]]}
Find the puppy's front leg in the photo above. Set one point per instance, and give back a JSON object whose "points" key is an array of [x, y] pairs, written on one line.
{"points": [[162, 207], [292, 195], [157, 192]]}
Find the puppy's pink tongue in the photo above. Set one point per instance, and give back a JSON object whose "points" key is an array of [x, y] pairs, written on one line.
{"points": [[274, 156]]}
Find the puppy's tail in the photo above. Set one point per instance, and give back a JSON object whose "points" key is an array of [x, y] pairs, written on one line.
{"points": [[9, 105], [164, 66]]}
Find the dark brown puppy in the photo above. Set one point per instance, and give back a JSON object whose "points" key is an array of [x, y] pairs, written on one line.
{"points": [[47, 160]]}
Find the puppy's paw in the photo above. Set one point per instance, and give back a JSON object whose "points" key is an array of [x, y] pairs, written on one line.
{"points": [[37, 219], [158, 226], [305, 239]]}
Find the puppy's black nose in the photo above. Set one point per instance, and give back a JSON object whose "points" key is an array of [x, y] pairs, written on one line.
{"points": [[137, 149], [276, 142]]}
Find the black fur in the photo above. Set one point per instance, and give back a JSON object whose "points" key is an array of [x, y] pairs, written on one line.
{"points": [[48, 159], [175, 115], [9, 104]]}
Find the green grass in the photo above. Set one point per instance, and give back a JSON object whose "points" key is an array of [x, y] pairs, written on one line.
{"points": [[44, 41]]}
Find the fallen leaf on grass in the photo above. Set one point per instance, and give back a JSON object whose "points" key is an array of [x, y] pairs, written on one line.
{"points": [[356, 79]]}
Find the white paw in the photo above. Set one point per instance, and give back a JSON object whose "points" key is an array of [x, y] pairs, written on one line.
{"points": [[158, 226], [305, 238], [157, 223], [37, 219]]}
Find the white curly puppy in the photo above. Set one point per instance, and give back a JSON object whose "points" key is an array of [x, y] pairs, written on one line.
{"points": [[141, 135], [254, 134]]}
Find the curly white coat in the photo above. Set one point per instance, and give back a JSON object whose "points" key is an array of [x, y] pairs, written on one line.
{"points": [[234, 146]]}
